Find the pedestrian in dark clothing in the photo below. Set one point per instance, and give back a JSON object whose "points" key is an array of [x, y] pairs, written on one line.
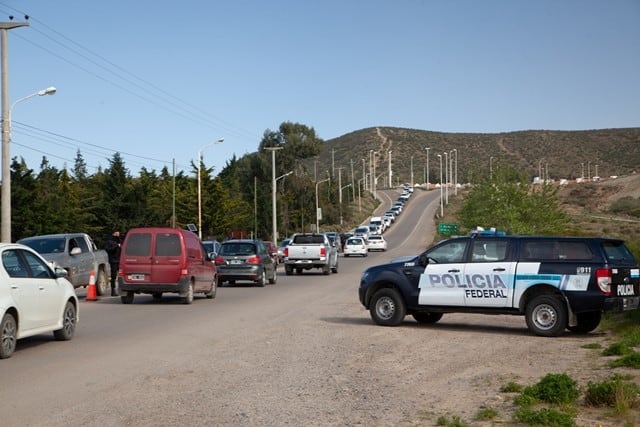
{"points": [[112, 246]]}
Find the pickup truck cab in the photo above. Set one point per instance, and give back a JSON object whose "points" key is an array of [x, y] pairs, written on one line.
{"points": [[76, 253], [311, 250], [557, 283]]}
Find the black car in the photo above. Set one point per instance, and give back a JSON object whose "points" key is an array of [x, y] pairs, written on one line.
{"points": [[245, 260]]}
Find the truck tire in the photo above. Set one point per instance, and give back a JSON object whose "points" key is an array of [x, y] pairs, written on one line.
{"points": [[387, 308], [274, 279], [426, 317], [587, 322], [102, 283], [335, 268], [546, 315], [326, 270], [288, 270]]}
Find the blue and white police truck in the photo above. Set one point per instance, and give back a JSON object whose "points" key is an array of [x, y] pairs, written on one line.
{"points": [[557, 283]]}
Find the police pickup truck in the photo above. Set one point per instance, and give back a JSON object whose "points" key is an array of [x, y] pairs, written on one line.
{"points": [[557, 283]]}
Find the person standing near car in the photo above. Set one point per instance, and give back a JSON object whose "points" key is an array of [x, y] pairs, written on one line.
{"points": [[112, 246]]}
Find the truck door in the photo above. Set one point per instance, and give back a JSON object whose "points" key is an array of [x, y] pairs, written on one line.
{"points": [[83, 260], [440, 283], [489, 274]]}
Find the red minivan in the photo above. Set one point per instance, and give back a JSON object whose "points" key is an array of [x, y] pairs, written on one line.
{"points": [[163, 259]]}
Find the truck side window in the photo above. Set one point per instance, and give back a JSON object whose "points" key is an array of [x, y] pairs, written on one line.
{"points": [[449, 252]]}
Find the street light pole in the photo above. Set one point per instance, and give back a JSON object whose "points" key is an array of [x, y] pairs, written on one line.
{"points": [[318, 207], [273, 150], [200, 183], [411, 171], [5, 197], [275, 227], [441, 206], [6, 172], [446, 177], [455, 179], [390, 172], [428, 148], [342, 188]]}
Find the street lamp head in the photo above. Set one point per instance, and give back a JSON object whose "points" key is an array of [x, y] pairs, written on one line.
{"points": [[48, 91]]}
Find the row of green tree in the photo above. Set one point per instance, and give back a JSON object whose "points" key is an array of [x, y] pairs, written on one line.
{"points": [[237, 200]]}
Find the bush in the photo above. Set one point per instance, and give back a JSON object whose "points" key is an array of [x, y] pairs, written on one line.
{"points": [[613, 393], [554, 388], [544, 417]]}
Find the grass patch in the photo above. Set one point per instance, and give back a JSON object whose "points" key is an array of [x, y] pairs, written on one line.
{"points": [[454, 421], [511, 387], [544, 417], [613, 392], [486, 414], [629, 360]]}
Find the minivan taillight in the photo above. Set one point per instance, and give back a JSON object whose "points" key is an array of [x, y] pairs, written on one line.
{"points": [[604, 279], [253, 260]]}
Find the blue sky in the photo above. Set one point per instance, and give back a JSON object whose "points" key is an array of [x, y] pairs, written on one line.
{"points": [[158, 80]]}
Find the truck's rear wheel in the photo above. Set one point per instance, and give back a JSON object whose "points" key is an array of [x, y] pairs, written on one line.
{"points": [[546, 316], [102, 283], [587, 322]]}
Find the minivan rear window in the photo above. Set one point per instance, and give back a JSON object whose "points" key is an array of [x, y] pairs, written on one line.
{"points": [[138, 244], [168, 244]]}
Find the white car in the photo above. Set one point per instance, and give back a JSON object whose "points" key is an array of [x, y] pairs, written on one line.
{"points": [[377, 243], [34, 298], [355, 246]]}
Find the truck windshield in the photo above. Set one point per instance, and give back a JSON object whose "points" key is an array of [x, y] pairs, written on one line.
{"points": [[47, 245]]}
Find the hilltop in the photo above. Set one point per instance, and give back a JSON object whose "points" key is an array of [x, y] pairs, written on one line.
{"points": [[562, 154]]}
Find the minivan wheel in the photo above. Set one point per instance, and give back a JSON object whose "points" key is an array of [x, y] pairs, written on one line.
{"points": [[127, 298], [214, 287], [188, 299], [8, 336], [262, 280]]}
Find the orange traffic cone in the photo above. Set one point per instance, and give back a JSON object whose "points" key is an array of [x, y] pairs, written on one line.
{"points": [[91, 289]]}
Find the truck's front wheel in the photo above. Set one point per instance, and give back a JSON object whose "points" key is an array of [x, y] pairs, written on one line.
{"points": [[387, 307], [546, 316]]}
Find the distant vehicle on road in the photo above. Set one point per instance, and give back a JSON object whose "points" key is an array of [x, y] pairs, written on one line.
{"points": [[355, 246], [377, 243], [245, 260]]}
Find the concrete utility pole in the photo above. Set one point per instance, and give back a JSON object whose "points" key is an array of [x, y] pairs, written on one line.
{"points": [[5, 197], [274, 231]]}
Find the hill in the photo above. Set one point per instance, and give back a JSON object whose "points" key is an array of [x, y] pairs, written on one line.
{"points": [[556, 154]]}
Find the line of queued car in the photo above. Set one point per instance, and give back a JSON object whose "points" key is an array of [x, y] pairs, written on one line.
{"points": [[367, 238]]}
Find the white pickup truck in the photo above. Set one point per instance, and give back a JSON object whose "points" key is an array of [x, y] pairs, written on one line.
{"points": [[310, 250]]}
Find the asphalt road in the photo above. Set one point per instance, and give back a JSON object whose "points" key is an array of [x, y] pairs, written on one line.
{"points": [[125, 359]]}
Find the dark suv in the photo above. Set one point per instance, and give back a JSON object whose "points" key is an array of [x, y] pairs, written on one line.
{"points": [[247, 260], [556, 283]]}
